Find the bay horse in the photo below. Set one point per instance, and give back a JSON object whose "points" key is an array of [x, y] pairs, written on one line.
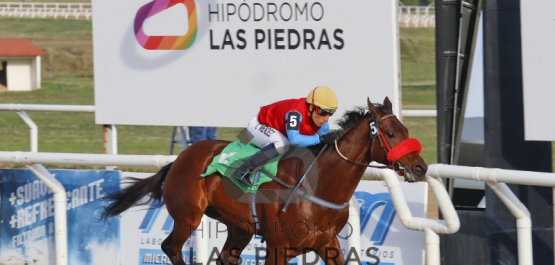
{"points": [[366, 136]]}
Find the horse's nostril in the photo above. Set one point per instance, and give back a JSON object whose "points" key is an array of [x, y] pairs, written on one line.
{"points": [[418, 170]]}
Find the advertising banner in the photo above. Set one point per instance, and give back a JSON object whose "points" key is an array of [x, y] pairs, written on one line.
{"points": [[384, 240], [537, 21], [215, 62], [27, 217]]}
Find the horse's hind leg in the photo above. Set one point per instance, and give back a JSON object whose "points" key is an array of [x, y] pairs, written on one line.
{"points": [[184, 194], [173, 244], [187, 214], [166, 247], [235, 243]]}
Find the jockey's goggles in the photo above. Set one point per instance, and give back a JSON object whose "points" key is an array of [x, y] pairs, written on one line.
{"points": [[324, 112]]}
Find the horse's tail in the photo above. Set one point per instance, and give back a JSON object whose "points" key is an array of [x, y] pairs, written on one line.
{"points": [[131, 195]]}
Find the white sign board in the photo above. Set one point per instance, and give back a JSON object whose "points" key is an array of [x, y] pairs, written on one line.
{"points": [[538, 62], [214, 63], [384, 240]]}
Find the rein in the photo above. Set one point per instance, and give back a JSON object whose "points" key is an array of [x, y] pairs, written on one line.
{"points": [[393, 154], [356, 162], [385, 146], [294, 191]]}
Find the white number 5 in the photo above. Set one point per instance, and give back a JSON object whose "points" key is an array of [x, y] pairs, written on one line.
{"points": [[373, 129], [293, 121]]}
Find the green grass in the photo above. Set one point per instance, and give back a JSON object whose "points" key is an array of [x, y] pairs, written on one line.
{"points": [[419, 90], [417, 56], [419, 97], [67, 45], [67, 70]]}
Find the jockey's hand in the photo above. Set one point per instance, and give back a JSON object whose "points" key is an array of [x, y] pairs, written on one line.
{"points": [[329, 138]]}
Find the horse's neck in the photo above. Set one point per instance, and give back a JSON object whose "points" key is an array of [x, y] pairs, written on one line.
{"points": [[338, 177]]}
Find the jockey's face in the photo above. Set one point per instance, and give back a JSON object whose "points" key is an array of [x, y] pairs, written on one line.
{"points": [[318, 119]]}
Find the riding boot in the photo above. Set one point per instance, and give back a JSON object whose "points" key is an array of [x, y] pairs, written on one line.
{"points": [[257, 160]]}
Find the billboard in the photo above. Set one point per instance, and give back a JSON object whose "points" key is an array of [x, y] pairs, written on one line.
{"points": [[384, 240], [215, 62], [27, 217], [538, 61]]}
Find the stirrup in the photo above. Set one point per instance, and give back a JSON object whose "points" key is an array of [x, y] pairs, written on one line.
{"points": [[243, 176]]}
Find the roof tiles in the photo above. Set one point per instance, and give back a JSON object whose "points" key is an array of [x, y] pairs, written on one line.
{"points": [[19, 47]]}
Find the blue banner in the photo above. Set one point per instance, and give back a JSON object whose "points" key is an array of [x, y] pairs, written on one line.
{"points": [[27, 229]]}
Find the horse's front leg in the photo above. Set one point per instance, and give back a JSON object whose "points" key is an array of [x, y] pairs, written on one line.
{"points": [[233, 247], [331, 253]]}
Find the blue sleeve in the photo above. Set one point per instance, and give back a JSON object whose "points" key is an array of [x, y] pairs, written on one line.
{"points": [[324, 129], [296, 138], [293, 121]]}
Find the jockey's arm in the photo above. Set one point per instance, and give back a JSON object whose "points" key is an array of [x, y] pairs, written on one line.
{"points": [[295, 137], [325, 129]]}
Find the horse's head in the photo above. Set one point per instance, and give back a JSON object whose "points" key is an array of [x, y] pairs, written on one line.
{"points": [[391, 144]]}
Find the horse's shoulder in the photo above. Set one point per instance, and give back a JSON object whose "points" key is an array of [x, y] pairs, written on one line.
{"points": [[293, 164]]}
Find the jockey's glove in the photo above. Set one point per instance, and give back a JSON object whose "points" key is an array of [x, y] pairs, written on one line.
{"points": [[329, 138]]}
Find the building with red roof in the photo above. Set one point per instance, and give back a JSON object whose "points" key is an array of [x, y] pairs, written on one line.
{"points": [[20, 68]]}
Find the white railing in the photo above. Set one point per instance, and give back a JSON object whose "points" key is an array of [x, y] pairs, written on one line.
{"points": [[417, 113], [409, 16], [110, 131], [46, 10], [431, 227], [47, 107], [416, 10], [34, 161], [496, 179], [416, 16], [29, 158]]}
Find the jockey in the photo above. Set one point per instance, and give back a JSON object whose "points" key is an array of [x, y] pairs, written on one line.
{"points": [[302, 121]]}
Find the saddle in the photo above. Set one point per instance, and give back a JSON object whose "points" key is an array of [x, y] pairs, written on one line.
{"points": [[233, 156]]}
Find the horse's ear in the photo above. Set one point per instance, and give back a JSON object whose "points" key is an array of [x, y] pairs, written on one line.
{"points": [[387, 104], [372, 107]]}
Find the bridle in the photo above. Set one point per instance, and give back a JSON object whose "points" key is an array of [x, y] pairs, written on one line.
{"points": [[400, 150], [393, 154]]}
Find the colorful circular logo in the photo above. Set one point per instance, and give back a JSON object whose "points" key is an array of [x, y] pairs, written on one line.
{"points": [[165, 42]]}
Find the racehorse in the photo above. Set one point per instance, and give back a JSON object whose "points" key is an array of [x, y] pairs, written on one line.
{"points": [[366, 136]]}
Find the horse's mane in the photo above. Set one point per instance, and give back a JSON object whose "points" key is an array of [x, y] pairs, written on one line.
{"points": [[352, 117]]}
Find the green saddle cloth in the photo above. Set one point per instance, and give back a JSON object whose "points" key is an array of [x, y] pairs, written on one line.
{"points": [[232, 157]]}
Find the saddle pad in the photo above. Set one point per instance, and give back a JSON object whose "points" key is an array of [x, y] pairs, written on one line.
{"points": [[232, 157]]}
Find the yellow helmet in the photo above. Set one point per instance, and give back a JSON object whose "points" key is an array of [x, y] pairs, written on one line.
{"points": [[323, 97]]}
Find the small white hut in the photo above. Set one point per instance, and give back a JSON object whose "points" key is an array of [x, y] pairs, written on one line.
{"points": [[19, 65]]}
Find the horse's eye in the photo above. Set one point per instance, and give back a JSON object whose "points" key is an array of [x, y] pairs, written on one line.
{"points": [[390, 134]]}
